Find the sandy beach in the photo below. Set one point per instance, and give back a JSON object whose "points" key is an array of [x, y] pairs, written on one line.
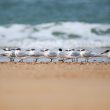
{"points": [[54, 86]]}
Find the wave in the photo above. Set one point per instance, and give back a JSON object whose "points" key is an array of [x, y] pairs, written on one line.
{"points": [[55, 35]]}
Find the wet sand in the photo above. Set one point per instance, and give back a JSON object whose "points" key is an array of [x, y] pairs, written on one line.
{"points": [[54, 86]]}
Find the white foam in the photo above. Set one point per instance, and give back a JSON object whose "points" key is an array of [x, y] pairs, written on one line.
{"points": [[54, 35]]}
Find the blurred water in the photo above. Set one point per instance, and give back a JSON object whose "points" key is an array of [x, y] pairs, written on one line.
{"points": [[55, 35], [43, 11], [55, 23]]}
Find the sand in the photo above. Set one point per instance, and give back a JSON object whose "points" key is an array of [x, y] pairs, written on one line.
{"points": [[54, 86]]}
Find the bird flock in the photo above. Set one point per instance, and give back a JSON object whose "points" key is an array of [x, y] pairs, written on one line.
{"points": [[60, 54]]}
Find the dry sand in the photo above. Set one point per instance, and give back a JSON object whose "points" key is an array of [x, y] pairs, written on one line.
{"points": [[54, 86]]}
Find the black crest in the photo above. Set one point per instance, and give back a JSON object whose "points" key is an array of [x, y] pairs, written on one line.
{"points": [[60, 49]]}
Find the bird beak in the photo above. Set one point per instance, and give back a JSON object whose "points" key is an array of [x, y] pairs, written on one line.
{"points": [[3, 54], [103, 53], [27, 50], [12, 49]]}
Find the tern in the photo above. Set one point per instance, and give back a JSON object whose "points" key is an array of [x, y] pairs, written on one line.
{"points": [[61, 54], [9, 53], [49, 54], [21, 54], [106, 53], [87, 54], [73, 54], [35, 54]]}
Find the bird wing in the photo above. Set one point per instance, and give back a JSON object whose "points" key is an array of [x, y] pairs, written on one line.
{"points": [[22, 54], [52, 54], [36, 54], [76, 53]]}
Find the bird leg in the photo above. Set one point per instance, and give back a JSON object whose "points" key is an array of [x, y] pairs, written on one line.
{"points": [[73, 59], [36, 60], [51, 60], [87, 59], [76, 59], [11, 59], [21, 60]]}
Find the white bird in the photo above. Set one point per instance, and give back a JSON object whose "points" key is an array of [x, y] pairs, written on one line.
{"points": [[49, 54], [73, 54], [62, 55], [21, 54], [87, 54], [9, 53], [106, 53], [35, 54]]}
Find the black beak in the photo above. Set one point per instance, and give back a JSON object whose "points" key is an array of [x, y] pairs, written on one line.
{"points": [[103, 53], [12, 49]]}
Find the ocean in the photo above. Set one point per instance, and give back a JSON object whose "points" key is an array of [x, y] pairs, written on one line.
{"points": [[55, 23]]}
